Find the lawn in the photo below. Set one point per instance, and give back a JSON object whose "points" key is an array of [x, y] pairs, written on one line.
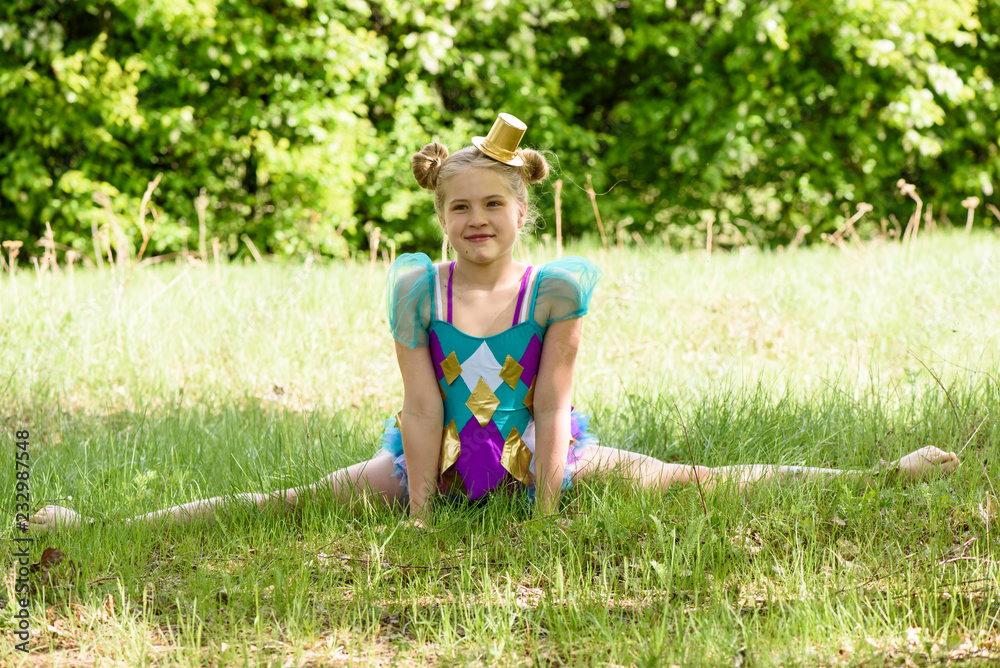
{"points": [[176, 382]]}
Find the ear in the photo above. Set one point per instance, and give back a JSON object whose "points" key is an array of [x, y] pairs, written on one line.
{"points": [[522, 216], [441, 220]]}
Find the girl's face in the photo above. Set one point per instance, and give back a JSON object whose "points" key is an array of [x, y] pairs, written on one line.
{"points": [[481, 217]]}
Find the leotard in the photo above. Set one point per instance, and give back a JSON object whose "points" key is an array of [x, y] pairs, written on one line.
{"points": [[487, 384]]}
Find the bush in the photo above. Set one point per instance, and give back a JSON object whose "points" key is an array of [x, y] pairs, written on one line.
{"points": [[766, 120]]}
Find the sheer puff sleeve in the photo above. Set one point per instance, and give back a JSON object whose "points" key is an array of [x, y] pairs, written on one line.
{"points": [[409, 299], [565, 287]]}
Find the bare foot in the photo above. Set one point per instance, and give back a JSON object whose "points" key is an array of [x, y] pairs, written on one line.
{"points": [[56, 517], [927, 462]]}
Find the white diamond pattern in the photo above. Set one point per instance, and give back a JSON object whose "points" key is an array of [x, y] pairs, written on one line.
{"points": [[482, 364]]}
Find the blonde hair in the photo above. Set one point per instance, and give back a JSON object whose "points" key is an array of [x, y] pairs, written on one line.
{"points": [[433, 167]]}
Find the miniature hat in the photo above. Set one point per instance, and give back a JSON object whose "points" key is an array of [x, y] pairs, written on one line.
{"points": [[502, 141]]}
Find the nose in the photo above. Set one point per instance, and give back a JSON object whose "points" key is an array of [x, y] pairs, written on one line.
{"points": [[478, 217]]}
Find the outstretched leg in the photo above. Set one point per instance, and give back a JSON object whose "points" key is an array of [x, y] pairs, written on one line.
{"points": [[648, 472], [369, 480], [651, 473]]}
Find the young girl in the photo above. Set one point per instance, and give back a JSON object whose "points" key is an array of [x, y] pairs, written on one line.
{"points": [[487, 347]]}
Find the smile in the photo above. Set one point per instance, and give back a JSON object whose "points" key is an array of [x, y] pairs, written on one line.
{"points": [[479, 237]]}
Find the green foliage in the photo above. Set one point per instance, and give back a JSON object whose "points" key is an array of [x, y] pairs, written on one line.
{"points": [[299, 118], [261, 103], [759, 117]]}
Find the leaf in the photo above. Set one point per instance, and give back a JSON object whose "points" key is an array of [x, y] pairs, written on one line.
{"points": [[50, 558]]}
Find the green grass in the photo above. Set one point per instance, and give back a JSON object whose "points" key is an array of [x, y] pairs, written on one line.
{"points": [[191, 383]]}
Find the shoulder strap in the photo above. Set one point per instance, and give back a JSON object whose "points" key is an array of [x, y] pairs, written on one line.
{"points": [[529, 289], [520, 297]]}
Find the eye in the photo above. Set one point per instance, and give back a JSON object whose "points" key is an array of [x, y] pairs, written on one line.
{"points": [[495, 203], [459, 207]]}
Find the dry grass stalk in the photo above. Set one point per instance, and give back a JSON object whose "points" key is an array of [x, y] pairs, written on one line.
{"points": [[835, 240], [123, 258], [143, 207], [690, 452], [913, 226], [897, 230], [597, 213], [98, 253], [559, 185], [145, 203], [620, 232], [201, 206], [339, 232], [215, 254], [970, 204], [995, 211], [253, 249], [800, 236], [848, 227], [104, 200], [13, 250], [48, 244]]}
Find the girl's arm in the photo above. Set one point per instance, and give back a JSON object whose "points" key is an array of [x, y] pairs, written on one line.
{"points": [[552, 408], [422, 426]]}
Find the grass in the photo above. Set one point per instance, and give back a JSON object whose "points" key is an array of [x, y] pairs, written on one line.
{"points": [[191, 382]]}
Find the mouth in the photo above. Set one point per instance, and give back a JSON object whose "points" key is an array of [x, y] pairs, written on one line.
{"points": [[479, 237]]}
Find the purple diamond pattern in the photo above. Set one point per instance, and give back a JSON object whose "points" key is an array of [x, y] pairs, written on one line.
{"points": [[530, 359], [479, 460]]}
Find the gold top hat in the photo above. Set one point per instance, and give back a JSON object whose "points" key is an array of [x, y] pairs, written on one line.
{"points": [[502, 141]]}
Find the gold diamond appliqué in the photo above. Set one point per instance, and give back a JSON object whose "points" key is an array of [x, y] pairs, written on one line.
{"points": [[516, 456], [529, 398], [511, 372], [452, 369], [483, 403], [450, 446]]}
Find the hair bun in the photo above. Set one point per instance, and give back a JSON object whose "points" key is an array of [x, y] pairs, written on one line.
{"points": [[427, 162], [536, 168]]}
